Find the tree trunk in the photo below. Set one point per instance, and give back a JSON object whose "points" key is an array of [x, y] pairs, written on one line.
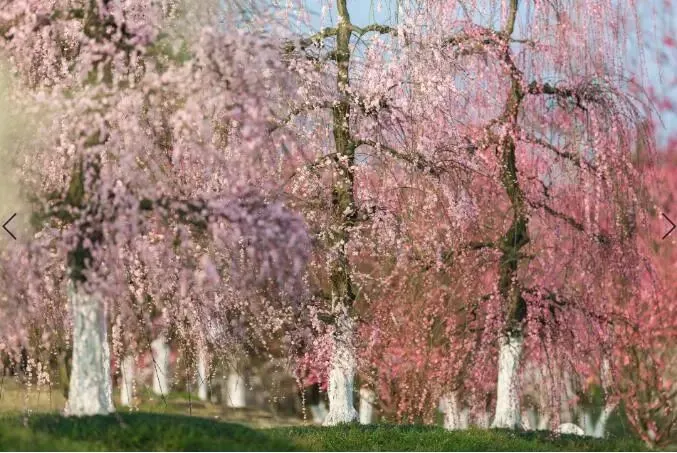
{"points": [[236, 391], [482, 419], [525, 420], [91, 389], [318, 409], [568, 403], [585, 422], [319, 412], [451, 408], [507, 414], [344, 214], [507, 399], [367, 398], [606, 378], [128, 370], [342, 374], [202, 376], [532, 419], [600, 426], [160, 366], [465, 418]]}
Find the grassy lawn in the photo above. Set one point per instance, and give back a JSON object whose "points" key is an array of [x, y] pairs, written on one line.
{"points": [[153, 431], [180, 422]]}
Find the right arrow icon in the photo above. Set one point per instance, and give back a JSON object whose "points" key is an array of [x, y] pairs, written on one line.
{"points": [[671, 229]]}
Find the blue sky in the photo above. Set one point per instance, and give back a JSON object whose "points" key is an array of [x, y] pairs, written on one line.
{"points": [[656, 24]]}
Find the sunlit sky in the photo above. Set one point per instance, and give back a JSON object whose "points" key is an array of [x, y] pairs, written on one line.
{"points": [[657, 21]]}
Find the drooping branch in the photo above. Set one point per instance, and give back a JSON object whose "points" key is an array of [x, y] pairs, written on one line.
{"points": [[477, 41], [600, 237], [419, 162], [449, 255], [557, 301], [571, 157], [589, 92], [563, 93], [201, 212], [568, 219], [297, 111]]}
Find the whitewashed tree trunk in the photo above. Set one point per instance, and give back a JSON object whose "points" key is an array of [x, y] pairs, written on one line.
{"points": [[532, 418], [202, 375], [237, 396], [367, 399], [160, 365], [465, 418], [451, 408], [507, 399], [260, 396], [127, 384], [324, 410], [482, 419], [585, 422], [342, 374], [540, 416], [531, 386], [316, 413], [525, 421], [606, 378], [567, 406], [652, 437], [91, 388], [600, 426], [319, 412]]}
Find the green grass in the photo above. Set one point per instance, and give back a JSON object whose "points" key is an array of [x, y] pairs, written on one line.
{"points": [[137, 431], [157, 432], [434, 438]]}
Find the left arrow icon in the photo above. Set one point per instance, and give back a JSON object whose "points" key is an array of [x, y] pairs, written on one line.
{"points": [[4, 226]]}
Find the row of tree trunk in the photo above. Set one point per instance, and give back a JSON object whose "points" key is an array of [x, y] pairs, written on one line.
{"points": [[235, 386], [457, 417], [90, 390]]}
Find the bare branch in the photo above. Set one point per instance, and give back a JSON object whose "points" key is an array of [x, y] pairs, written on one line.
{"points": [[418, 161], [599, 237], [378, 28], [572, 157], [576, 94], [448, 255], [304, 43], [568, 219]]}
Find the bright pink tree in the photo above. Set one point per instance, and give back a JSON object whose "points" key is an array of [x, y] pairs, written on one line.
{"points": [[523, 115], [645, 377]]}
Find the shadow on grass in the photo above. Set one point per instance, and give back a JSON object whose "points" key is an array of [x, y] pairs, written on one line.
{"points": [[136, 431]]}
